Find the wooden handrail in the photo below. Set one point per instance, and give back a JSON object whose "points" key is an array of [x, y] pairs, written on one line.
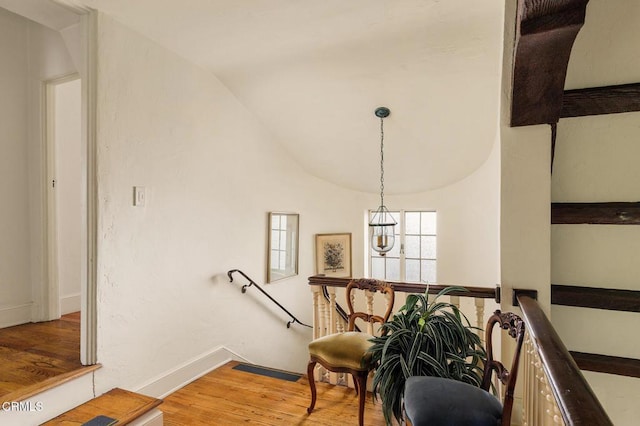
{"points": [[576, 400], [478, 292]]}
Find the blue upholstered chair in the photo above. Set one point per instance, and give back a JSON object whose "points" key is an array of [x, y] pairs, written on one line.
{"points": [[348, 352], [435, 401]]}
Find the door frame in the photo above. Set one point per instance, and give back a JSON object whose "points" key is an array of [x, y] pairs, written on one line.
{"points": [[88, 75]]}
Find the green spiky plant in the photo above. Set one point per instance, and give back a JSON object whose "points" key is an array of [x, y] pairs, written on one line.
{"points": [[424, 339]]}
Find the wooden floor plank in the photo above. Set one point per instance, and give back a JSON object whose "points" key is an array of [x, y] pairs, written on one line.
{"points": [[230, 397], [39, 354], [119, 404]]}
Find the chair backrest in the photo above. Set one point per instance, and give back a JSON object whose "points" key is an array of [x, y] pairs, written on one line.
{"points": [[514, 325], [373, 286]]}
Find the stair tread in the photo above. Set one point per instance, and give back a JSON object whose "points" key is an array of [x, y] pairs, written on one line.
{"points": [[28, 391], [122, 405]]}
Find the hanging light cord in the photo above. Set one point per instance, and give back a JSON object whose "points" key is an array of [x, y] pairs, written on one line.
{"points": [[381, 161]]}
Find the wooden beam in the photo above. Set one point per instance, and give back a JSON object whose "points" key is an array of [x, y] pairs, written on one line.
{"points": [[601, 100], [615, 213], [597, 298], [629, 367], [546, 30]]}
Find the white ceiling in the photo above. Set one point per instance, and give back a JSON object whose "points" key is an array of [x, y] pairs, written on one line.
{"points": [[313, 73]]}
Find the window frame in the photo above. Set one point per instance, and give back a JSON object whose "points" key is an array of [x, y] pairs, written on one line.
{"points": [[401, 234]]}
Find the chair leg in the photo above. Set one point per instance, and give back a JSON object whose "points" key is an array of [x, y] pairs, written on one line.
{"points": [[356, 384], [362, 386], [312, 385]]}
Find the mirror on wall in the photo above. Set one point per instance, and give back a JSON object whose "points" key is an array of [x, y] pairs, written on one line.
{"points": [[282, 254]]}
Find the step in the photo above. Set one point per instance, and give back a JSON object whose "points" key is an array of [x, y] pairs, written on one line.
{"points": [[122, 406], [28, 391]]}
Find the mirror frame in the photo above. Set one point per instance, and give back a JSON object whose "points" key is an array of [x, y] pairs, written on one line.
{"points": [[293, 237]]}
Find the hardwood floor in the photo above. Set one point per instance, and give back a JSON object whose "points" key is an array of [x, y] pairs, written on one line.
{"points": [[227, 396], [33, 355]]}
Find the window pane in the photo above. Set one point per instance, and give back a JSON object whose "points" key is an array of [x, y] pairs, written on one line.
{"points": [[395, 251], [428, 273], [377, 268], [428, 247], [275, 240], [412, 246], [428, 225], [274, 259], [412, 224], [283, 260], [393, 270], [412, 272], [396, 216]]}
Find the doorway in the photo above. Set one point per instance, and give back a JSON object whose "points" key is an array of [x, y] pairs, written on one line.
{"points": [[64, 163]]}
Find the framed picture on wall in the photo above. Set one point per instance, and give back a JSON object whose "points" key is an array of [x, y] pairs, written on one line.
{"points": [[333, 254]]}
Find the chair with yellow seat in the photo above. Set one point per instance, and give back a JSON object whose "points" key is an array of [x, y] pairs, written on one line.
{"points": [[348, 352]]}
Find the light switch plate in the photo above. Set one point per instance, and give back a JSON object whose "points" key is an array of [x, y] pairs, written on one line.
{"points": [[139, 196]]}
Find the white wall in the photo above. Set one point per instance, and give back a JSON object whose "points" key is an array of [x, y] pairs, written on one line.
{"points": [[30, 55], [212, 174], [596, 161], [48, 59], [15, 293]]}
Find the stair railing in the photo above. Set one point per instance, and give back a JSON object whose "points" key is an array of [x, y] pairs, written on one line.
{"points": [[253, 283]]}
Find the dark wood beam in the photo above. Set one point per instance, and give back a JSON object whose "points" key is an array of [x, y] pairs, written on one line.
{"points": [[601, 100], [545, 32], [615, 213], [597, 298], [629, 367]]}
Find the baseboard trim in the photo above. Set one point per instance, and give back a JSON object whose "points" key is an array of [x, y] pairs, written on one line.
{"points": [[15, 315], [154, 417], [69, 304], [174, 379]]}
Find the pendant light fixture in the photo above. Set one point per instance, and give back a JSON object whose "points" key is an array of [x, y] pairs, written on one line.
{"points": [[382, 225]]}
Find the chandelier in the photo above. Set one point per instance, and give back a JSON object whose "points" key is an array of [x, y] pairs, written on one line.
{"points": [[382, 225]]}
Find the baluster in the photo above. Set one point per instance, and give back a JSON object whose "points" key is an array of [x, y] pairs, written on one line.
{"points": [[369, 297], [545, 398], [332, 312], [479, 302], [322, 372], [315, 293], [455, 300], [526, 359], [539, 419], [557, 417]]}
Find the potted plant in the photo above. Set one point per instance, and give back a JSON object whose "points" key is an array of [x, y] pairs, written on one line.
{"points": [[424, 339]]}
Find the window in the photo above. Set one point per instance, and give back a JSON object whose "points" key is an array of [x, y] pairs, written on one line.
{"points": [[413, 258]]}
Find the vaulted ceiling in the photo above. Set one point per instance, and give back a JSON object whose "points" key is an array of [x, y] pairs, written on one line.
{"points": [[313, 72]]}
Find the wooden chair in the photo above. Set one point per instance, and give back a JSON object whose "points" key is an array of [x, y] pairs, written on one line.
{"points": [[437, 401], [348, 352]]}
